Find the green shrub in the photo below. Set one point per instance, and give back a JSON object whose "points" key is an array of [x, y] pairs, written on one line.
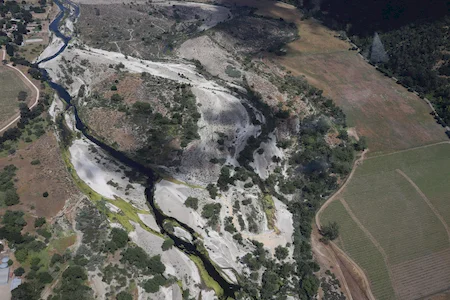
{"points": [[124, 296], [330, 231], [212, 189], [281, 252], [211, 213], [232, 72], [167, 244], [11, 197], [19, 271], [152, 285], [35, 162], [39, 222], [116, 98], [191, 202]]}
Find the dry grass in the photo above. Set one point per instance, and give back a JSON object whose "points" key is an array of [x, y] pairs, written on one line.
{"points": [[385, 112], [11, 85], [33, 180], [381, 110]]}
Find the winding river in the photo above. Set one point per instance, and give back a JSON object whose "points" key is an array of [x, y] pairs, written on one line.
{"points": [[188, 248]]}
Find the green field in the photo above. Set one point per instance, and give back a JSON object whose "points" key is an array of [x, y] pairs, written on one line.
{"points": [[394, 212], [358, 246], [10, 86]]}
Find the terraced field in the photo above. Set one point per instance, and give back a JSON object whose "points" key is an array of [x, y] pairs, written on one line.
{"points": [[357, 244], [399, 204]]}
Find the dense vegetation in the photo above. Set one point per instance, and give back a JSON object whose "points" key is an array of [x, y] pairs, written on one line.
{"points": [[31, 125], [366, 17]]}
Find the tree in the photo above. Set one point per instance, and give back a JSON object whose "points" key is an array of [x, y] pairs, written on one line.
{"points": [[116, 98], [44, 277], [152, 285], [361, 144], [19, 271], [212, 189], [330, 231], [22, 96], [10, 50], [281, 252], [377, 53], [11, 197], [211, 212], [39, 222], [25, 291], [21, 255], [124, 296], [167, 244], [155, 265], [56, 258], [119, 237], [191, 202], [74, 273]]}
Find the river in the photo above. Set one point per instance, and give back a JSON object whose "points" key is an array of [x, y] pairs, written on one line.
{"points": [[186, 247]]}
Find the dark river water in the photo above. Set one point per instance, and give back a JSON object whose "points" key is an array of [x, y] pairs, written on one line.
{"points": [[186, 247]]}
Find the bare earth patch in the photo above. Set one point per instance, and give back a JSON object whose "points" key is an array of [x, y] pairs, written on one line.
{"points": [[49, 176]]}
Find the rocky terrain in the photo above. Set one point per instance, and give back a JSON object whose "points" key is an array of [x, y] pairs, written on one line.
{"points": [[232, 139]]}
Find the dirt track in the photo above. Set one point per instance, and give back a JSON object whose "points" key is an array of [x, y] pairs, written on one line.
{"points": [[352, 277]]}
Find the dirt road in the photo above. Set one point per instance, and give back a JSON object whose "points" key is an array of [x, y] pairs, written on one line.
{"points": [[354, 281]]}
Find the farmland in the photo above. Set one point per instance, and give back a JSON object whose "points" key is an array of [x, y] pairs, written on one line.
{"points": [[360, 249], [9, 90], [393, 212], [386, 113], [398, 199]]}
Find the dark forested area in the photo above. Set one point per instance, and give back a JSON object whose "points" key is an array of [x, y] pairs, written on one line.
{"points": [[365, 17]]}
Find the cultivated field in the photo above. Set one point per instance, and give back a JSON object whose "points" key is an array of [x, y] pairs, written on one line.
{"points": [[11, 85], [398, 203], [393, 214], [361, 250]]}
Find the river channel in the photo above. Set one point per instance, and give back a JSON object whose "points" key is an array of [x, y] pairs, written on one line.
{"points": [[188, 248]]}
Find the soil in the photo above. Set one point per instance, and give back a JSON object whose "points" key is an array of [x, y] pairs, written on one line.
{"points": [[33, 180], [421, 277]]}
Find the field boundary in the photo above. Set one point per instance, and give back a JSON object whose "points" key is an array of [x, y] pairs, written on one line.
{"points": [[357, 269], [409, 149], [427, 201], [17, 118], [373, 240]]}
